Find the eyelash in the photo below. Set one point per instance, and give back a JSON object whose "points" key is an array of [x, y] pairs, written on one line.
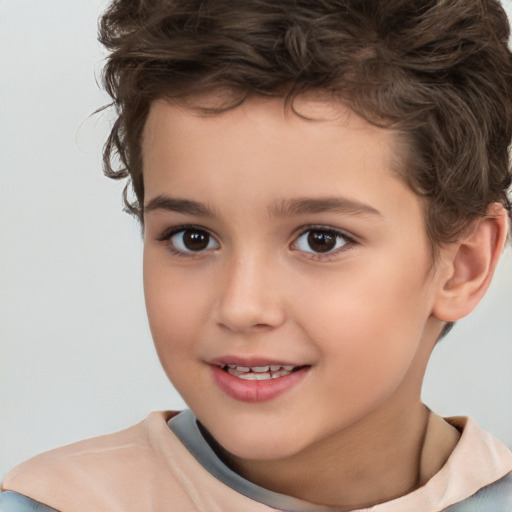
{"points": [[331, 254], [169, 233], [319, 256]]}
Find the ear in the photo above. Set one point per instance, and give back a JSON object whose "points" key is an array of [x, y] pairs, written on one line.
{"points": [[467, 266]]}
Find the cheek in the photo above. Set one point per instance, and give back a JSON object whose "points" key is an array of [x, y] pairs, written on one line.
{"points": [[174, 310], [362, 302], [368, 324]]}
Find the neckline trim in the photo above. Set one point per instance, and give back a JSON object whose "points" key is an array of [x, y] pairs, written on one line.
{"points": [[442, 490], [184, 426]]}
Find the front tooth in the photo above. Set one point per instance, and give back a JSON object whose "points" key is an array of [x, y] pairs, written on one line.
{"points": [[262, 376], [248, 376], [260, 369], [243, 369]]}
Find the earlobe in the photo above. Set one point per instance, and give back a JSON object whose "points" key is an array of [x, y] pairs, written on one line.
{"points": [[469, 264]]}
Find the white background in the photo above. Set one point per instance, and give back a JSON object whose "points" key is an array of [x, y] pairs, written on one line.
{"points": [[76, 357]]}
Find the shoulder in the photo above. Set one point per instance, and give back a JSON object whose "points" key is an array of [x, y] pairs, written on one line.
{"points": [[11, 501], [112, 465], [143, 468], [99, 453], [496, 496]]}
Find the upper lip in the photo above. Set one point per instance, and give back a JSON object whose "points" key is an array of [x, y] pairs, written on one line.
{"points": [[250, 361]]}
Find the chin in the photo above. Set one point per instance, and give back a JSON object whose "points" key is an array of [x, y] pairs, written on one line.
{"points": [[257, 444]]}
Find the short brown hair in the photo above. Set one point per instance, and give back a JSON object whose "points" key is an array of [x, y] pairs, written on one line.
{"points": [[437, 71]]}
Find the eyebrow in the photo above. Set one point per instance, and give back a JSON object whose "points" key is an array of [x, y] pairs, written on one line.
{"points": [[289, 207], [186, 206], [282, 208]]}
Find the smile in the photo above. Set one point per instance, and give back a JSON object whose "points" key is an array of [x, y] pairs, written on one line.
{"points": [[256, 382], [259, 372]]}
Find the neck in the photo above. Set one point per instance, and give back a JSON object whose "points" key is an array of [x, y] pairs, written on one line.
{"points": [[374, 461]]}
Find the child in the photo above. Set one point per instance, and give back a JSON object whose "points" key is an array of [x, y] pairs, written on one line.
{"points": [[323, 191]]}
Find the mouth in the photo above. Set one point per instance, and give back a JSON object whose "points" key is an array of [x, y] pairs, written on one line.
{"points": [[267, 372], [256, 380]]}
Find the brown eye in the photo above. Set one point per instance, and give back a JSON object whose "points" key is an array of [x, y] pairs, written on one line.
{"points": [[195, 240], [192, 240], [321, 241]]}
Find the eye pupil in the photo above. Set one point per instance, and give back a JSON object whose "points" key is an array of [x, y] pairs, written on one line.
{"points": [[195, 240], [321, 241]]}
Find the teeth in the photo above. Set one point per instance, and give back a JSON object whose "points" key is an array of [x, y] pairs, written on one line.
{"points": [[258, 372], [252, 376], [247, 376], [260, 369], [255, 376]]}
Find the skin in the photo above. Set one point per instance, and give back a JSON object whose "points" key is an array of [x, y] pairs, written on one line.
{"points": [[364, 317]]}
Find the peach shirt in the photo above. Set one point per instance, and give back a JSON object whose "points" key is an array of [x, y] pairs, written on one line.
{"points": [[147, 468]]}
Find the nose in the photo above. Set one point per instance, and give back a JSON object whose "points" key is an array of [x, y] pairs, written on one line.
{"points": [[250, 296]]}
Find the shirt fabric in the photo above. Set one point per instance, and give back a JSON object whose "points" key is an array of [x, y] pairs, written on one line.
{"points": [[153, 468]]}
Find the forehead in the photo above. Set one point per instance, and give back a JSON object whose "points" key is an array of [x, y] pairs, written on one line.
{"points": [[316, 141], [306, 112]]}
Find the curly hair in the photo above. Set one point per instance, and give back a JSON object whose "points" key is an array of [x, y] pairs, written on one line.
{"points": [[439, 72]]}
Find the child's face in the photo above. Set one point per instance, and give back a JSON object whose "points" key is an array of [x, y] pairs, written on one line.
{"points": [[276, 241]]}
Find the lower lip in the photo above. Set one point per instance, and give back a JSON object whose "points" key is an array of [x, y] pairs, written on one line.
{"points": [[256, 390]]}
